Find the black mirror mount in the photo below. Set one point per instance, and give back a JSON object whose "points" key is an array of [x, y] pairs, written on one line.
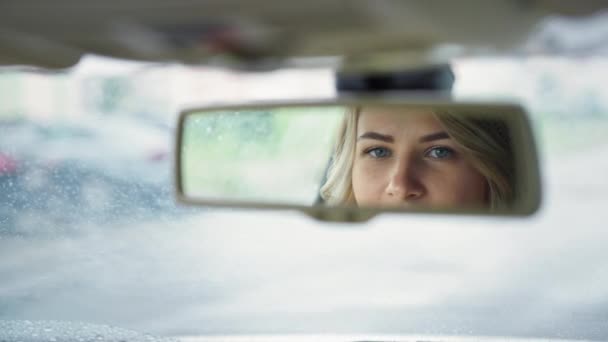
{"points": [[433, 78]]}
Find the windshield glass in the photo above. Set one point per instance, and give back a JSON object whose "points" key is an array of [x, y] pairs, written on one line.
{"points": [[90, 231]]}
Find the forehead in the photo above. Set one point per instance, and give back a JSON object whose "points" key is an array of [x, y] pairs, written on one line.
{"points": [[394, 119]]}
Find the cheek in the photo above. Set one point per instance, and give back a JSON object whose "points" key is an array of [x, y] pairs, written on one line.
{"points": [[367, 181], [458, 184]]}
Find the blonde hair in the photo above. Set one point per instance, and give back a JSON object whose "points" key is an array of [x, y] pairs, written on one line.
{"points": [[485, 143]]}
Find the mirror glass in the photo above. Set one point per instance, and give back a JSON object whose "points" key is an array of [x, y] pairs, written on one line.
{"points": [[472, 158], [276, 155]]}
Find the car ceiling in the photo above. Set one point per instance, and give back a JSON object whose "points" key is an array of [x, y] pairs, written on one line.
{"points": [[256, 33]]}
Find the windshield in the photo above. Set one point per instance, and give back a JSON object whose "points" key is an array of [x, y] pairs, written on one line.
{"points": [[90, 231]]}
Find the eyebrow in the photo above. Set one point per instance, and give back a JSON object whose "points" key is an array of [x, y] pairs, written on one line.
{"points": [[388, 138], [376, 136], [434, 136]]}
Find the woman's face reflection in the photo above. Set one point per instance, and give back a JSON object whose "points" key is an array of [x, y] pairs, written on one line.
{"points": [[405, 160]]}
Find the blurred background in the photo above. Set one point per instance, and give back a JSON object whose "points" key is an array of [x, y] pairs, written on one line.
{"points": [[100, 136], [90, 231]]}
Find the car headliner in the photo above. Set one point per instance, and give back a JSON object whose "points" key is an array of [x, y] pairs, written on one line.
{"points": [[261, 33]]}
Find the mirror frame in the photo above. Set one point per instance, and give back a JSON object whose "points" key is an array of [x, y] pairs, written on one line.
{"points": [[526, 158]]}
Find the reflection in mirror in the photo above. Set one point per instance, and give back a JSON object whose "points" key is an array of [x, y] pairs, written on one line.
{"points": [[360, 156], [274, 155], [404, 157]]}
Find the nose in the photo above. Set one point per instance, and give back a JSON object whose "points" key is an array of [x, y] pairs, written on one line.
{"points": [[404, 183]]}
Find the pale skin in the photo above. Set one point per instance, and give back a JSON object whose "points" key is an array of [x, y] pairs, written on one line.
{"points": [[404, 158]]}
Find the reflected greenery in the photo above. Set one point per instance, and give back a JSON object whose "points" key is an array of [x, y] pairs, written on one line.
{"points": [[239, 154]]}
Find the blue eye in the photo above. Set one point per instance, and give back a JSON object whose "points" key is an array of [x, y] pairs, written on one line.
{"points": [[379, 152], [440, 152]]}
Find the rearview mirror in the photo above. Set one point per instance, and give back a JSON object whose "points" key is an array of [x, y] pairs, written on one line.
{"points": [[349, 160]]}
